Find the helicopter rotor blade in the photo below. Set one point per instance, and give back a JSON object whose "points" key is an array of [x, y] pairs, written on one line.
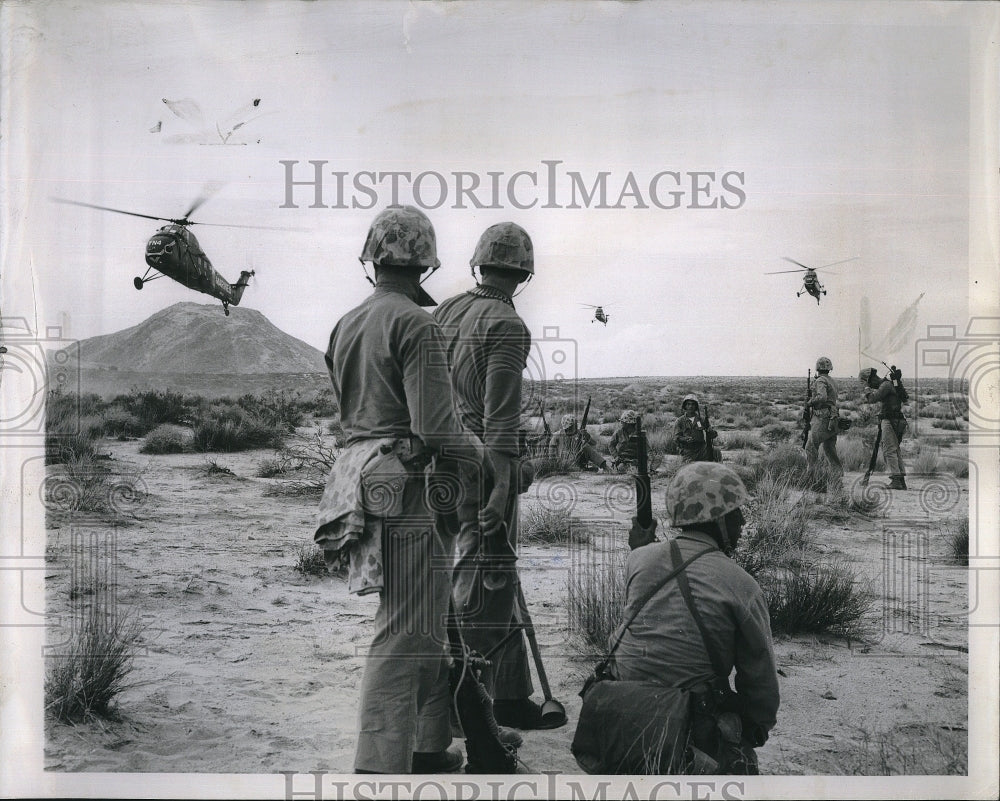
{"points": [[782, 272], [108, 208], [853, 258], [796, 262], [253, 227]]}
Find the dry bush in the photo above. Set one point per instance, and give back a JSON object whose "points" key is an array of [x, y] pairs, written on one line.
{"points": [[959, 542], [560, 463], [776, 525], [817, 599], [740, 440], [596, 598], [775, 433], [311, 561], [164, 439], [233, 428], [540, 524], [87, 680], [922, 749], [789, 462]]}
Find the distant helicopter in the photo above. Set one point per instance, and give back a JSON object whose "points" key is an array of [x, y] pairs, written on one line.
{"points": [[599, 314], [174, 251], [810, 281]]}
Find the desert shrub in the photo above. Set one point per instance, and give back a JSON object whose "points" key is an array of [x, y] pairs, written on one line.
{"points": [[855, 453], [312, 458], [775, 433], [949, 425], [272, 466], [816, 600], [921, 749], [163, 439], [541, 524], [776, 525], [596, 598], [926, 461], [606, 431], [736, 440], [210, 467], [275, 409], [956, 466], [68, 432], [311, 561], [560, 463], [959, 542], [121, 424], [87, 680], [232, 428], [788, 461], [153, 407]]}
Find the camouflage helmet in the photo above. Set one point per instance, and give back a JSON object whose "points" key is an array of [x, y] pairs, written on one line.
{"points": [[401, 236], [628, 417], [823, 363], [507, 246], [567, 422], [689, 398], [704, 491]]}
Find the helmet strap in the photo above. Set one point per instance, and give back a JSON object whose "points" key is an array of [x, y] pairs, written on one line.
{"points": [[365, 270], [432, 271], [526, 282], [475, 277]]}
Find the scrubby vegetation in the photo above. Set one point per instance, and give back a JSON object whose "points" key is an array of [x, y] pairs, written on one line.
{"points": [[540, 524]]}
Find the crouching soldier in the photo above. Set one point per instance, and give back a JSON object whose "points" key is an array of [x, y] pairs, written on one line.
{"points": [[623, 447], [694, 630], [575, 445]]}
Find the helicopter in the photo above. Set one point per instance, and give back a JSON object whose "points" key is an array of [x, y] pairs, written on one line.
{"points": [[600, 315], [810, 281], [173, 251]]}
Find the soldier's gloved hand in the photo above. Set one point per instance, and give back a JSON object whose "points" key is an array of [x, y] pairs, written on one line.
{"points": [[640, 535], [491, 515]]}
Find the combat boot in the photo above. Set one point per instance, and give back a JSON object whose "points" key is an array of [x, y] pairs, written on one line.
{"points": [[897, 483]]}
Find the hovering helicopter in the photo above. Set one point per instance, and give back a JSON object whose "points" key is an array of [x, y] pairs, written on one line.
{"points": [[173, 251], [600, 315], [810, 281]]}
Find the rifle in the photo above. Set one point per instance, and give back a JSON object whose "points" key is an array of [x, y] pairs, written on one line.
{"points": [[807, 412], [643, 490], [545, 424], [586, 414], [709, 447], [871, 463]]}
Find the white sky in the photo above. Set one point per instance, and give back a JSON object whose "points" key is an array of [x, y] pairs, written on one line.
{"points": [[852, 130]]}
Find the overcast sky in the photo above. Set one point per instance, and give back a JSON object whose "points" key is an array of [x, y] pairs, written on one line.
{"points": [[842, 133]]}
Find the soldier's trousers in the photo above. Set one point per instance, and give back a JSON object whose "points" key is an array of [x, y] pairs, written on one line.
{"points": [[892, 434], [823, 434], [486, 613], [405, 699]]}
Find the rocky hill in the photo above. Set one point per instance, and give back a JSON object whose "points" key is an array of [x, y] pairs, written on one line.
{"points": [[194, 338]]}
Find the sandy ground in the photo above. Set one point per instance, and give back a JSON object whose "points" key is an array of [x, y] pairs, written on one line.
{"points": [[251, 666]]}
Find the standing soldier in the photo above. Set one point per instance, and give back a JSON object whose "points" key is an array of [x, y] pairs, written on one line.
{"points": [[396, 410], [488, 347], [891, 422], [825, 426], [575, 445], [695, 442]]}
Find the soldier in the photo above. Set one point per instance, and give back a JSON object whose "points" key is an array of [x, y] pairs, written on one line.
{"points": [[397, 414], [667, 645], [488, 347], [825, 426], [623, 447], [891, 422], [694, 441], [575, 445]]}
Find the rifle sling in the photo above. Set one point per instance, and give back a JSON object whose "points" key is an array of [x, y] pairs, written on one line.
{"points": [[675, 557], [677, 571]]}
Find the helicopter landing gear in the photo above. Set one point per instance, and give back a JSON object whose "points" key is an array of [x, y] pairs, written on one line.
{"points": [[225, 308], [137, 282]]}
